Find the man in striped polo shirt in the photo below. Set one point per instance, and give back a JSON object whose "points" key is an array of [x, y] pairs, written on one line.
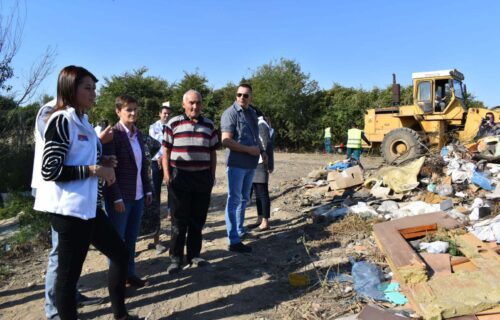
{"points": [[190, 142]]}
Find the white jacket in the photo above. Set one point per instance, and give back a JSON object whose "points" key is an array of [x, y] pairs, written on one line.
{"points": [[36, 178], [77, 198]]}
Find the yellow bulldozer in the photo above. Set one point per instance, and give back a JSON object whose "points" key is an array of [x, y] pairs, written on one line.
{"points": [[438, 115]]}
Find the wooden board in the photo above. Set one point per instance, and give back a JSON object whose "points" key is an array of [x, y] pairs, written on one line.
{"points": [[406, 264], [415, 232], [371, 312], [471, 287], [439, 264]]}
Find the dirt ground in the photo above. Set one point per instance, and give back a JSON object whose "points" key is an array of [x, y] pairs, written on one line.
{"points": [[233, 286]]}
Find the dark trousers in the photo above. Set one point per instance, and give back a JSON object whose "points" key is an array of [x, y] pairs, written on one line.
{"points": [[157, 177], [262, 200], [75, 236], [189, 200]]}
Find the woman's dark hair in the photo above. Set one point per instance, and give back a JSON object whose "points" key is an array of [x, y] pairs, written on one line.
{"points": [[124, 100], [67, 83]]}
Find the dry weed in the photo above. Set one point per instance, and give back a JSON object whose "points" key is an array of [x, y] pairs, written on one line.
{"points": [[352, 227]]}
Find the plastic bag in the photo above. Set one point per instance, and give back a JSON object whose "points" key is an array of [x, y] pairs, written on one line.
{"points": [[340, 166], [475, 207], [367, 278], [335, 213], [435, 247], [363, 210], [444, 190], [482, 181], [388, 206]]}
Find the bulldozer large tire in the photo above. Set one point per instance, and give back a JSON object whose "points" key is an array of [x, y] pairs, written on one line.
{"points": [[401, 144]]}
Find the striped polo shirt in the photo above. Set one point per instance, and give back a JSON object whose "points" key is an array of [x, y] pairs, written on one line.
{"points": [[191, 142]]}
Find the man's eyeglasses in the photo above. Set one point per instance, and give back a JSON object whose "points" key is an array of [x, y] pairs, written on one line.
{"points": [[245, 95]]}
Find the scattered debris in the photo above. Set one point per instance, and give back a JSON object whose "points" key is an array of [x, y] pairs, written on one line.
{"points": [[401, 178], [367, 278], [348, 178], [426, 202]]}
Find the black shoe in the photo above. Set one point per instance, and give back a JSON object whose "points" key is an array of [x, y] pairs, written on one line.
{"points": [[174, 267], [82, 300], [136, 282], [240, 247]]}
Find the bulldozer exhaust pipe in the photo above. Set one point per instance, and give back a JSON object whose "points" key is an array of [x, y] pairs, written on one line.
{"points": [[396, 91]]}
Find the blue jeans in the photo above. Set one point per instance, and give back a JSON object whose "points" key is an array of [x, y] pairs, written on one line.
{"points": [[127, 224], [50, 278], [328, 145], [239, 182], [355, 153]]}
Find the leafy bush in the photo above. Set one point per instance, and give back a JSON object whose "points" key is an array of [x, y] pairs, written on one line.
{"points": [[17, 167], [16, 204]]}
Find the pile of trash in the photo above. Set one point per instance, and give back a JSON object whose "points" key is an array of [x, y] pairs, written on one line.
{"points": [[465, 189], [457, 183]]}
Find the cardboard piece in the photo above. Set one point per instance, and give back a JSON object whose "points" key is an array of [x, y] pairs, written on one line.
{"points": [[348, 178]]}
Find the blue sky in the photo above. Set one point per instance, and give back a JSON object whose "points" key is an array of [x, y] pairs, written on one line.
{"points": [[352, 43]]}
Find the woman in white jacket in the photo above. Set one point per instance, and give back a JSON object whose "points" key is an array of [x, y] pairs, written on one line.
{"points": [[71, 167]]}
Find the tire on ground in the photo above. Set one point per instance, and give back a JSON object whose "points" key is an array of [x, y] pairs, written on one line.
{"points": [[401, 144]]}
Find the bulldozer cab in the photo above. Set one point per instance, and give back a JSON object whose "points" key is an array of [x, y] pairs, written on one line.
{"points": [[435, 91]]}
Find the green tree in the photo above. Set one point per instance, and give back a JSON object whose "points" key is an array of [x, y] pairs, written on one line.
{"points": [[150, 91], [16, 146], [288, 96], [45, 98], [473, 102], [195, 81], [341, 106], [221, 99]]}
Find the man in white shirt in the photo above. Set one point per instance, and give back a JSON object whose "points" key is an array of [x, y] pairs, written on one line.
{"points": [[156, 132], [101, 126]]}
